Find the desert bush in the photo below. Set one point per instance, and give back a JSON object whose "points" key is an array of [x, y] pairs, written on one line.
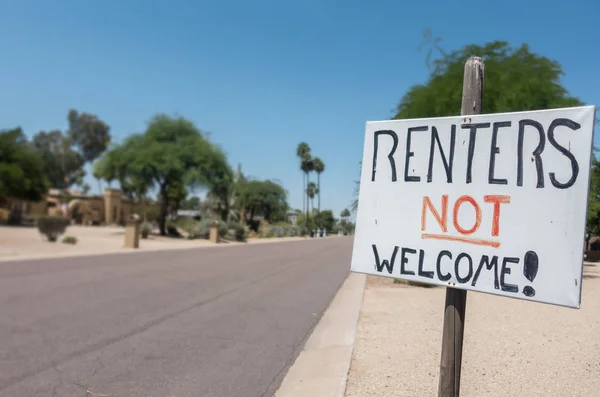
{"points": [[237, 232], [276, 231], [293, 231], [145, 230], [69, 240], [202, 229], [52, 226]]}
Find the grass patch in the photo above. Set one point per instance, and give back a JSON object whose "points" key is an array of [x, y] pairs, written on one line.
{"points": [[69, 240]]}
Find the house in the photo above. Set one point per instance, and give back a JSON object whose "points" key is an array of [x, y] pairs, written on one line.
{"points": [[110, 208], [292, 216]]}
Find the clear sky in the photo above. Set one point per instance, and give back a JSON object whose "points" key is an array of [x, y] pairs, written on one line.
{"points": [[263, 75]]}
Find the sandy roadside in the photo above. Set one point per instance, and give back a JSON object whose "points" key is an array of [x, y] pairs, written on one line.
{"points": [[20, 243], [511, 347]]}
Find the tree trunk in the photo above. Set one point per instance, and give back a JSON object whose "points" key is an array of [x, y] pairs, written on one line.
{"points": [[164, 207], [319, 187], [303, 192], [243, 214], [307, 199]]}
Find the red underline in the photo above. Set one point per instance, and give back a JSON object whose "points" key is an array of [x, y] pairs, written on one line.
{"points": [[467, 240]]}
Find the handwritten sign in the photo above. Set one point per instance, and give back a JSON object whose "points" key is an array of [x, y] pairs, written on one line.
{"points": [[491, 203]]}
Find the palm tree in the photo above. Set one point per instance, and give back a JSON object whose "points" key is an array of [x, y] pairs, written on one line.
{"points": [[303, 153], [311, 191], [345, 214], [319, 168], [307, 166]]}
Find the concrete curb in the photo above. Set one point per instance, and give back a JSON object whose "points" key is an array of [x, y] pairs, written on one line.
{"points": [[322, 367]]}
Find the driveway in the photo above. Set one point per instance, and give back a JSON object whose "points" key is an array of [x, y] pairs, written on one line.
{"points": [[200, 322]]}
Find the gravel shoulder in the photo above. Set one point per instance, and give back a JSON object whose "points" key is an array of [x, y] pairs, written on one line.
{"points": [[20, 243], [511, 347]]}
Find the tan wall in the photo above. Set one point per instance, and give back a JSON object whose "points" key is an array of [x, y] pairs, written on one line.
{"points": [[110, 208]]}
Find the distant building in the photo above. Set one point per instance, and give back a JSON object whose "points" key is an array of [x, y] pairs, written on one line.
{"points": [[292, 216], [189, 214]]}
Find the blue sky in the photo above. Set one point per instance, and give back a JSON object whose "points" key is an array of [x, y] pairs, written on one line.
{"points": [[263, 75]]}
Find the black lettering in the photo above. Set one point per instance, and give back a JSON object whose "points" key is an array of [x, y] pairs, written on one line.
{"points": [[485, 260], [494, 151], [460, 279], [447, 162], [388, 265], [405, 260], [390, 155], [537, 153], [472, 137], [442, 277], [409, 154], [422, 272], [574, 165], [506, 270]]}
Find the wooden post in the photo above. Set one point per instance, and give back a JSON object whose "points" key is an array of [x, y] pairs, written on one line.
{"points": [[456, 299]]}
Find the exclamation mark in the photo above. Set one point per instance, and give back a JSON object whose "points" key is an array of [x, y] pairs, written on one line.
{"points": [[530, 269]]}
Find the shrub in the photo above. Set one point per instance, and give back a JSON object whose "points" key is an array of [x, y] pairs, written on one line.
{"points": [[276, 231], [595, 246], [52, 226], [202, 229], [293, 231], [188, 225], [236, 232], [145, 230], [69, 240]]}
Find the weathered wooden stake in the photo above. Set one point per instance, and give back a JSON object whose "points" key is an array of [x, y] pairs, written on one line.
{"points": [[456, 299]]}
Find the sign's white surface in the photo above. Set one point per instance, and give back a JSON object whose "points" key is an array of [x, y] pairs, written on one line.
{"points": [[492, 203]]}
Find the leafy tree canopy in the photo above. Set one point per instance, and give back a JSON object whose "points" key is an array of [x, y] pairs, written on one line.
{"points": [[516, 80], [191, 203], [172, 151], [89, 134], [325, 219], [265, 198], [22, 173], [62, 164]]}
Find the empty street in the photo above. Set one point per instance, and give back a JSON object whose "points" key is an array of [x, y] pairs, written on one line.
{"points": [[224, 321]]}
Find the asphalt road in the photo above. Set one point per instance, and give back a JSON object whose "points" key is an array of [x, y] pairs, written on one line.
{"points": [[204, 322]]}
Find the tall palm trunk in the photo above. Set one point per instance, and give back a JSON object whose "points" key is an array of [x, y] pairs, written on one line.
{"points": [[307, 198], [303, 194], [319, 188]]}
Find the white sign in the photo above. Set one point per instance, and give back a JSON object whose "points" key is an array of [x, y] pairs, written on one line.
{"points": [[491, 203]]}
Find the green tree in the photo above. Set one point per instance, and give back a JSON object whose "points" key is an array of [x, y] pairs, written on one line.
{"points": [[22, 171], [265, 198], [325, 219], [63, 165], [593, 213], [90, 135], [306, 165], [319, 167], [191, 203], [516, 80], [171, 151], [345, 214], [311, 192]]}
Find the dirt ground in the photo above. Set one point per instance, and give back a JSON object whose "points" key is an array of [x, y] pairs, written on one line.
{"points": [[511, 347], [27, 243]]}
